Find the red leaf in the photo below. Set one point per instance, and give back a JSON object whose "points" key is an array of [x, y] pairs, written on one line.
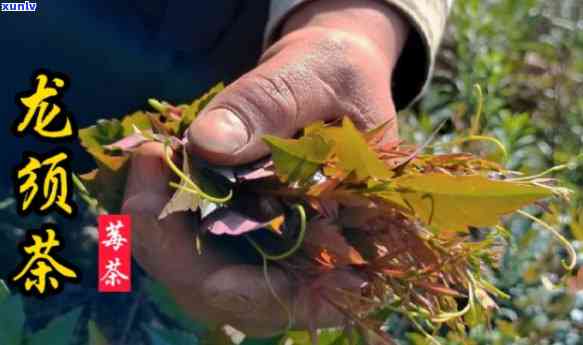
{"points": [[325, 244], [128, 143], [440, 289], [357, 217], [227, 222], [260, 170], [327, 208]]}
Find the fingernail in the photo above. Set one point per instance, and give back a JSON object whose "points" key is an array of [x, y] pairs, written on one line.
{"points": [[219, 131]]}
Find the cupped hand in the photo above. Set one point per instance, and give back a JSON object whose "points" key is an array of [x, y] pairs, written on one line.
{"points": [[335, 58]]}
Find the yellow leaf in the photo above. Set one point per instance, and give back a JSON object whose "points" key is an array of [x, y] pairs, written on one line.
{"points": [[297, 160], [276, 224], [354, 154], [452, 203]]}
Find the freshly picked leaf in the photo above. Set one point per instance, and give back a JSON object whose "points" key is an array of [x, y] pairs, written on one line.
{"points": [[353, 152], [106, 184], [325, 337], [103, 133], [297, 160], [325, 244], [111, 141], [127, 144], [454, 203], [337, 198], [228, 222], [106, 132]]}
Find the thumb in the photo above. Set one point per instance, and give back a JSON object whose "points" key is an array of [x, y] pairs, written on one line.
{"points": [[291, 89]]}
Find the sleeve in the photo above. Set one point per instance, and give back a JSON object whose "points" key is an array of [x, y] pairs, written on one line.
{"points": [[414, 68]]}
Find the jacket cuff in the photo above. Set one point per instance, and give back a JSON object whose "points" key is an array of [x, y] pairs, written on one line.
{"points": [[414, 67]]}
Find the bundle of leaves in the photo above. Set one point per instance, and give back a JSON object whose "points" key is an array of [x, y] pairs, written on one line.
{"points": [[421, 230]]}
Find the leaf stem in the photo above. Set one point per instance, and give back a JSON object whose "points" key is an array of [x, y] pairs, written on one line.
{"points": [[447, 316], [157, 105], [572, 254], [296, 245], [544, 173], [472, 137], [85, 195], [285, 307], [204, 195], [282, 256], [477, 117], [193, 187]]}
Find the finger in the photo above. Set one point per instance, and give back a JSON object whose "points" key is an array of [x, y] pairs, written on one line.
{"points": [[301, 81], [212, 287], [260, 305], [243, 295], [165, 248]]}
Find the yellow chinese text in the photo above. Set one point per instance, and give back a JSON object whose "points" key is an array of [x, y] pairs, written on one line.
{"points": [[42, 271], [54, 174], [43, 111]]}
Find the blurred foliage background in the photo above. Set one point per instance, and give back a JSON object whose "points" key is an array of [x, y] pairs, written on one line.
{"points": [[527, 55]]}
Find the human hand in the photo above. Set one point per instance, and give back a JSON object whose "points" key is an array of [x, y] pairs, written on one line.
{"points": [[335, 58]]}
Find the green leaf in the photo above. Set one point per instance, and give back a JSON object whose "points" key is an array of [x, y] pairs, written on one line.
{"points": [[168, 306], [378, 133], [314, 128], [170, 337], [296, 338], [418, 339], [452, 203], [11, 320], [297, 159], [95, 335], [325, 337], [332, 337], [354, 154], [264, 341], [107, 183], [4, 291], [139, 120], [106, 132], [59, 331]]}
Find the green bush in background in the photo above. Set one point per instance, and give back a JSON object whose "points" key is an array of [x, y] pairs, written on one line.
{"points": [[527, 56]]}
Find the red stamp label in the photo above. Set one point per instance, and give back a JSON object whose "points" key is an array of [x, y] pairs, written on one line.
{"points": [[115, 253]]}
